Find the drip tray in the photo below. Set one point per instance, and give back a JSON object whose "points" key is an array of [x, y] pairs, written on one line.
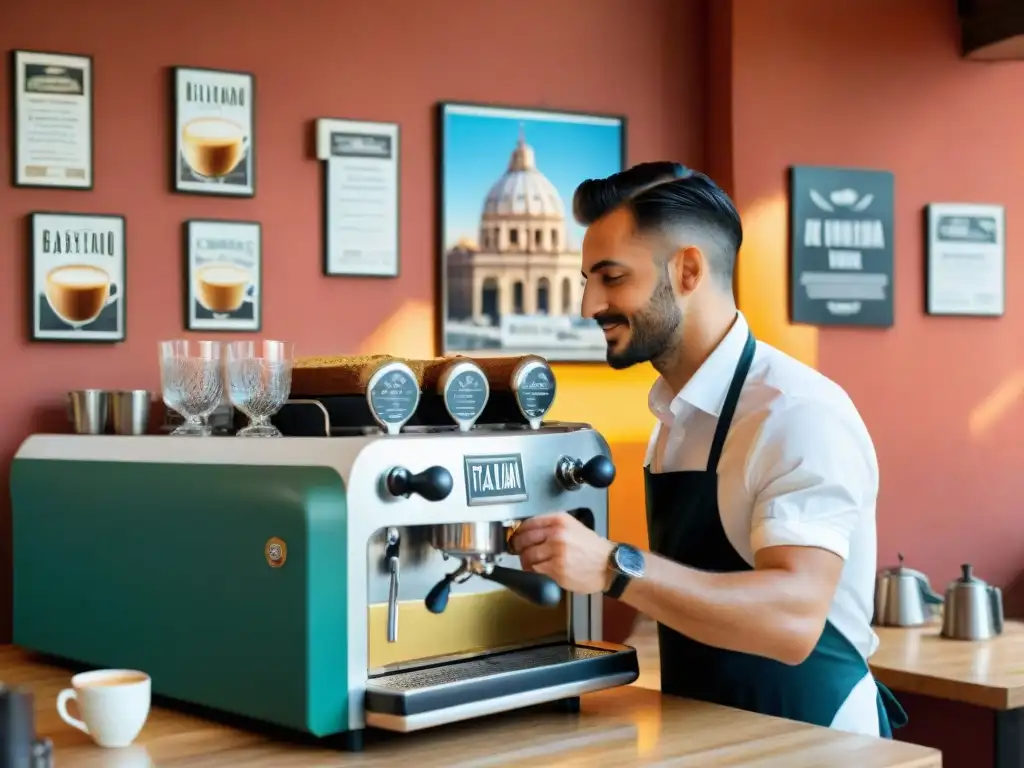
{"points": [[495, 682]]}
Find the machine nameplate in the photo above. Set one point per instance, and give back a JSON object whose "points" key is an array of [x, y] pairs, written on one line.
{"points": [[496, 479]]}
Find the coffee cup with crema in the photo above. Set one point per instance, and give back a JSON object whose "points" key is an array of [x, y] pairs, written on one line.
{"points": [[78, 293], [113, 705], [213, 147], [223, 287]]}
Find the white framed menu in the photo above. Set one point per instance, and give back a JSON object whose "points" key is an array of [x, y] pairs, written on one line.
{"points": [[214, 141], [53, 120], [361, 197], [966, 259]]}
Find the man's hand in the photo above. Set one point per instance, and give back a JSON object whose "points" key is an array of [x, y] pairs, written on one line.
{"points": [[562, 547]]}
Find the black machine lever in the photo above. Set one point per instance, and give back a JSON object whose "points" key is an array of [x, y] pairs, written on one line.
{"points": [[533, 587], [599, 472], [433, 483]]}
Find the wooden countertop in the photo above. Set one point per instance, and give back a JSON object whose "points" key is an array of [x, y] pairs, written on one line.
{"points": [[987, 673], [629, 726]]}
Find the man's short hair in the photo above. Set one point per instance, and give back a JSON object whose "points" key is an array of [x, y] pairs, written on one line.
{"points": [[671, 200]]}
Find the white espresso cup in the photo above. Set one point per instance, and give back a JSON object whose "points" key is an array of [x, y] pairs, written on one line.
{"points": [[113, 704]]}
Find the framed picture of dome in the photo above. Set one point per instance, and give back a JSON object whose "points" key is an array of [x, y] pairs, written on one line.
{"points": [[510, 248]]}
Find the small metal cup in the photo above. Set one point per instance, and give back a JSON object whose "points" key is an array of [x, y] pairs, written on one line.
{"points": [[129, 411], [88, 411]]}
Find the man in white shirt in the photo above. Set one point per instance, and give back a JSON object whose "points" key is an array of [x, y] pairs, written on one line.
{"points": [[761, 477]]}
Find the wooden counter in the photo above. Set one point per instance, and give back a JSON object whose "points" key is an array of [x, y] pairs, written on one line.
{"points": [[629, 726], [988, 673]]}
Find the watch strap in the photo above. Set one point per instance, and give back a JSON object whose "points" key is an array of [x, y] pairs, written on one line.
{"points": [[618, 586]]}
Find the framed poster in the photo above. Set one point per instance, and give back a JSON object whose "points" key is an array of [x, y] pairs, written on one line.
{"points": [[224, 275], [841, 246], [77, 277], [361, 189], [52, 97], [214, 141], [510, 248], [965, 271]]}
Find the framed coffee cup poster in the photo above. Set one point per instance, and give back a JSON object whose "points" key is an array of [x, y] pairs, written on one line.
{"points": [[224, 275], [77, 277], [213, 145]]}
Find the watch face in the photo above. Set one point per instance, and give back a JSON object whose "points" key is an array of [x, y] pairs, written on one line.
{"points": [[630, 561]]}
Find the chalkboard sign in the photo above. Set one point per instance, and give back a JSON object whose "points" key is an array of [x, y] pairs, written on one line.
{"points": [[841, 246]]}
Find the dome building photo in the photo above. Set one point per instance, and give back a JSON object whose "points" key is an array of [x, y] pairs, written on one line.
{"points": [[511, 249]]}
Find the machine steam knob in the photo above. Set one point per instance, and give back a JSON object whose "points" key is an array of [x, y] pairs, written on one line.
{"points": [[599, 472], [433, 483]]}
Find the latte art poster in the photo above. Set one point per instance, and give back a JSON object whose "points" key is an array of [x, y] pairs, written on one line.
{"points": [[224, 275], [213, 133], [78, 277]]}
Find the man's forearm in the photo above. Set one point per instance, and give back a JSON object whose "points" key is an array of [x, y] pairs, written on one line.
{"points": [[770, 612]]}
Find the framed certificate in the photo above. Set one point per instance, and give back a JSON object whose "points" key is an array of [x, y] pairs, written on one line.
{"points": [[53, 120], [965, 270], [361, 197]]}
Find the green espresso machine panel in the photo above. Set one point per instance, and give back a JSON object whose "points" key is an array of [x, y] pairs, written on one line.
{"points": [[168, 568]]}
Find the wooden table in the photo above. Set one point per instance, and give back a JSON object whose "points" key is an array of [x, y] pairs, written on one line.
{"points": [[629, 726], [987, 674]]}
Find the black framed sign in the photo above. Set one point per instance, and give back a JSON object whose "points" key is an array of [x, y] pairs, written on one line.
{"points": [[361, 192], [52, 126], [214, 141], [77, 277], [965, 272], [841, 246], [509, 250], [224, 275]]}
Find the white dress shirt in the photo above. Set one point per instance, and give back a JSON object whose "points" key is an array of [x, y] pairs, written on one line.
{"points": [[798, 469]]}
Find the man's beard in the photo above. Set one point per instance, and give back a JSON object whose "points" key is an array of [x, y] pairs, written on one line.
{"points": [[653, 331]]}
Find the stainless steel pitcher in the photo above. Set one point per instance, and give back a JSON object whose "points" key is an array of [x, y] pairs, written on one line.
{"points": [[974, 609], [904, 597]]}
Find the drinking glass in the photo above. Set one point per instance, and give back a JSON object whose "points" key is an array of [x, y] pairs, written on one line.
{"points": [[192, 382], [259, 380]]}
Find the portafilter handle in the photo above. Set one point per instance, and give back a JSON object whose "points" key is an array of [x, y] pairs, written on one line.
{"points": [[534, 587]]}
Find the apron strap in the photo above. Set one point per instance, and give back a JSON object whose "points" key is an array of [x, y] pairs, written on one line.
{"points": [[731, 398], [891, 708]]}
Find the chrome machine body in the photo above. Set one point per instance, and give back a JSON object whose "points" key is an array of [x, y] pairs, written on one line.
{"points": [[177, 555]]}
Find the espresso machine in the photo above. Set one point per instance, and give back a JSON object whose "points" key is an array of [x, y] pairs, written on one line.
{"points": [[354, 573]]}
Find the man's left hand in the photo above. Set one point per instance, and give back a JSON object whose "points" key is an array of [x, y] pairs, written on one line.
{"points": [[562, 547]]}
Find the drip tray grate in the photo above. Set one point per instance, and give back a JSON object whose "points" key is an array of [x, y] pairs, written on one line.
{"points": [[497, 675]]}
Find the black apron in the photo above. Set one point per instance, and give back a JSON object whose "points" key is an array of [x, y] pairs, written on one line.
{"points": [[684, 526]]}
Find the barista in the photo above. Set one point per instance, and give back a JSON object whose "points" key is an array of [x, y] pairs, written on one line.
{"points": [[761, 478]]}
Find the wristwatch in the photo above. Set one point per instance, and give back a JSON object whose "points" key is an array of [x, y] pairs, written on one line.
{"points": [[628, 563]]}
